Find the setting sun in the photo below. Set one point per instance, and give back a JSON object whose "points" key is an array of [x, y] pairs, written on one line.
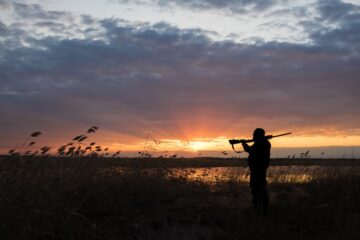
{"points": [[199, 145]]}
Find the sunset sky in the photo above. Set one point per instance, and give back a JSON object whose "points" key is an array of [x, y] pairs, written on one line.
{"points": [[190, 73]]}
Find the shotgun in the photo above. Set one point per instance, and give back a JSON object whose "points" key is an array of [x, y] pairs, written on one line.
{"points": [[236, 141]]}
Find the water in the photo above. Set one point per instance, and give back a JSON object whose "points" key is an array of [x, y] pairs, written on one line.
{"points": [[276, 174]]}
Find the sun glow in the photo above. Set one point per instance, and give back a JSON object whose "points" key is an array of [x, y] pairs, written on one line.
{"points": [[200, 145]]}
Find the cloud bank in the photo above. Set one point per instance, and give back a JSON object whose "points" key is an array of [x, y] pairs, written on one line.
{"points": [[62, 71]]}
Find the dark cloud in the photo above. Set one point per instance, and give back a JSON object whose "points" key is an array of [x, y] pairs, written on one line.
{"points": [[5, 4], [338, 11], [342, 31], [35, 11], [177, 82], [3, 29]]}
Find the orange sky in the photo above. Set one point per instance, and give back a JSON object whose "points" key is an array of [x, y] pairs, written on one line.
{"points": [[193, 145]]}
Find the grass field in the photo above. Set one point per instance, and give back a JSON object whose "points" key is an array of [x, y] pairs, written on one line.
{"points": [[203, 198]]}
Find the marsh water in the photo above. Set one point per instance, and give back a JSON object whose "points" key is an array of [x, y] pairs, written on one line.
{"points": [[275, 174], [283, 174]]}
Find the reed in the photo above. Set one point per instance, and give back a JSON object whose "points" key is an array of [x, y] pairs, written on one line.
{"points": [[108, 198]]}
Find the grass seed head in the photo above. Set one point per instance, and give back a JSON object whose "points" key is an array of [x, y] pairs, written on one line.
{"points": [[77, 137], [82, 138], [90, 130], [35, 134]]}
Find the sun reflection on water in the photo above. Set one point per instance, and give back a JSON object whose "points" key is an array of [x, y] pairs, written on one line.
{"points": [[276, 174]]}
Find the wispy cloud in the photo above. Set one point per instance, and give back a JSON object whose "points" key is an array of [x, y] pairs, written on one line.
{"points": [[232, 6]]}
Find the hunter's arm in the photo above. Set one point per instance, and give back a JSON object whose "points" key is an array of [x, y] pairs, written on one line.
{"points": [[246, 147]]}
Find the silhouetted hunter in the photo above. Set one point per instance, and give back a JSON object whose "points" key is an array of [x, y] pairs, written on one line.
{"points": [[258, 161]]}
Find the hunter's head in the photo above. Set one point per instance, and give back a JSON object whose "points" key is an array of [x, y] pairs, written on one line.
{"points": [[258, 134]]}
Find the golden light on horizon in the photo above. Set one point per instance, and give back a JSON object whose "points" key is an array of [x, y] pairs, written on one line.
{"points": [[316, 141], [193, 145], [221, 143], [200, 145]]}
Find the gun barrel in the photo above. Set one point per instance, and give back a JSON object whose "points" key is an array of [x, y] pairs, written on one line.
{"points": [[236, 141], [280, 135]]}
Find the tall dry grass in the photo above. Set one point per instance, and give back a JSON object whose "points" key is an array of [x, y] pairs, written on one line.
{"points": [[88, 198]]}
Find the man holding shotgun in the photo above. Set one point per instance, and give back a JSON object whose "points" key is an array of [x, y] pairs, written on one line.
{"points": [[258, 161]]}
